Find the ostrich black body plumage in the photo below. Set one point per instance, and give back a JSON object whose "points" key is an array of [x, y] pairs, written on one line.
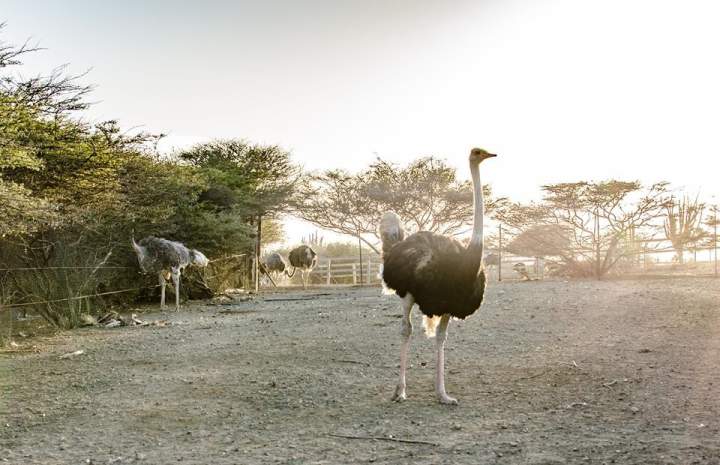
{"points": [[442, 275], [303, 258]]}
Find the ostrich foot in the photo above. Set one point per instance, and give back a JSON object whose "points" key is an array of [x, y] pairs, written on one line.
{"points": [[400, 394], [446, 399]]}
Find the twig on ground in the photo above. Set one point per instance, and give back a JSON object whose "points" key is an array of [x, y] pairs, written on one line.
{"points": [[236, 312], [537, 375], [570, 363], [576, 404], [73, 354], [351, 361], [355, 362], [611, 383], [304, 297], [382, 438]]}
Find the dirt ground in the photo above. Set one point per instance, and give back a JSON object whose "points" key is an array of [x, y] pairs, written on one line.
{"points": [[547, 372]]}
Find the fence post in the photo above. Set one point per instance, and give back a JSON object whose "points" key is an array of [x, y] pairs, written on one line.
{"points": [[354, 269], [715, 244], [327, 277], [500, 252], [258, 250]]}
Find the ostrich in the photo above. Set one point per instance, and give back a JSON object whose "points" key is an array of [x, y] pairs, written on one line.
{"points": [[166, 258], [305, 258], [445, 279], [522, 270], [276, 264]]}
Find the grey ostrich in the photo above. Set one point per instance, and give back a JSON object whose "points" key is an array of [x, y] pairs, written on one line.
{"points": [[275, 264], [305, 259], [166, 258], [443, 277]]}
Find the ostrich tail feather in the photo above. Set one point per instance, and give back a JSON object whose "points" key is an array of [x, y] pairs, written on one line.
{"points": [[430, 325]]}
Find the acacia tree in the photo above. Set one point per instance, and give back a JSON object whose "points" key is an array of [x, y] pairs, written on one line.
{"points": [[682, 224], [542, 240], [712, 222], [601, 220], [253, 181], [248, 180], [426, 194]]}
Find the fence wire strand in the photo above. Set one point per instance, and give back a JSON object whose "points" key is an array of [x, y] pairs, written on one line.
{"points": [[67, 299], [38, 268]]}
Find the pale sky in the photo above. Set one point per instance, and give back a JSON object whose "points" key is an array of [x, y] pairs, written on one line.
{"points": [[562, 90]]}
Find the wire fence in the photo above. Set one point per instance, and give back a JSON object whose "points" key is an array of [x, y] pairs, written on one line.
{"points": [[79, 297], [40, 268], [13, 305], [658, 262]]}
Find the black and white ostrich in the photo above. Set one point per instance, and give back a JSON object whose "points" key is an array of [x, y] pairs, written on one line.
{"points": [[305, 259], [166, 258], [444, 278]]}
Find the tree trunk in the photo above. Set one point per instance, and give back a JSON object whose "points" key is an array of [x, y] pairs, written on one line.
{"points": [[258, 245]]}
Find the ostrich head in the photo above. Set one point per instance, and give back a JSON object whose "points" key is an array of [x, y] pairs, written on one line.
{"points": [[197, 258], [478, 155], [140, 252]]}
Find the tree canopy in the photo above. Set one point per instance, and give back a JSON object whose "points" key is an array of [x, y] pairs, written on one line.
{"points": [[255, 178], [595, 225], [426, 194]]}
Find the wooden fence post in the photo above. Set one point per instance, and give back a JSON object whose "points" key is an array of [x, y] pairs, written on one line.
{"points": [[327, 277], [354, 270], [500, 244]]}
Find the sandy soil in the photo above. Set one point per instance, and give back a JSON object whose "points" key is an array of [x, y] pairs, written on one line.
{"points": [[620, 372]]}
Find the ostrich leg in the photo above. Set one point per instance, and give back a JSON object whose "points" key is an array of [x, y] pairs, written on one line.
{"points": [[441, 337], [405, 332], [162, 290], [176, 283]]}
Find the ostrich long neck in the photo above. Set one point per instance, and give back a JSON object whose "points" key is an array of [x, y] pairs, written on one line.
{"points": [[476, 240]]}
